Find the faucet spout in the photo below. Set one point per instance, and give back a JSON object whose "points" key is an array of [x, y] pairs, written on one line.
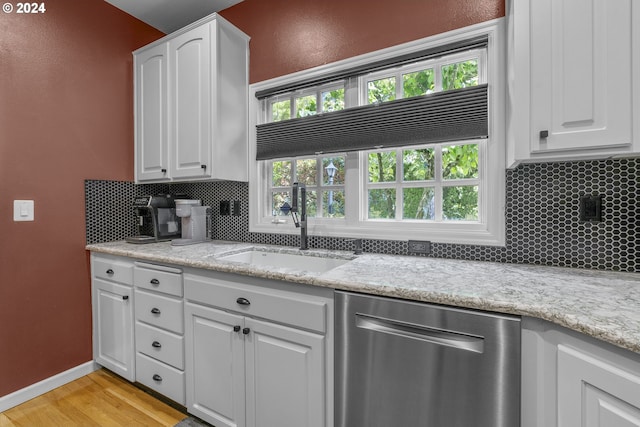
{"points": [[302, 209]]}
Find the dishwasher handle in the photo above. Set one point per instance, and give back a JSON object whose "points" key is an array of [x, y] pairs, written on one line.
{"points": [[454, 339]]}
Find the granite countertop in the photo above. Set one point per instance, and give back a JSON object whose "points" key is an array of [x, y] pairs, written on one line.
{"points": [[604, 305]]}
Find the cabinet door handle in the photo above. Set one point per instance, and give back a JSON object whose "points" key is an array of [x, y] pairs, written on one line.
{"points": [[203, 166], [544, 134], [243, 301], [236, 328], [163, 170], [125, 297], [157, 377], [155, 282], [156, 344], [109, 272], [246, 331], [155, 310]]}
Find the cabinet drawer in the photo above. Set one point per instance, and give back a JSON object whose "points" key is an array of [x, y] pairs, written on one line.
{"points": [[157, 278], [160, 377], [161, 345], [300, 311], [113, 270], [160, 310]]}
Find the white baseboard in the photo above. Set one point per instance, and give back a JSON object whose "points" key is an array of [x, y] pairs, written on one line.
{"points": [[35, 390]]}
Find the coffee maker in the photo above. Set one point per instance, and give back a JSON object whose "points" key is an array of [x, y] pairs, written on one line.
{"points": [[196, 223], [157, 220]]}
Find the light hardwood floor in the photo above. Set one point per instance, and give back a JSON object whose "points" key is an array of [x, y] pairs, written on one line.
{"points": [[98, 399]]}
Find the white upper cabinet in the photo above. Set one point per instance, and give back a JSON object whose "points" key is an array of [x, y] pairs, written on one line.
{"points": [[191, 99], [190, 59], [575, 87], [151, 133]]}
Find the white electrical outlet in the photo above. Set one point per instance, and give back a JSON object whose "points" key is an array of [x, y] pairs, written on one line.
{"points": [[23, 210]]}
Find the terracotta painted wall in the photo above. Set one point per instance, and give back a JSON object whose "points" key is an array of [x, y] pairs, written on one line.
{"points": [[289, 36], [66, 115]]}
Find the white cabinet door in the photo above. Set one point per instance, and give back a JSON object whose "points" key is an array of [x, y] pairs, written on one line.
{"points": [[576, 72], [113, 327], [190, 59], [215, 365], [285, 376], [151, 114], [594, 393]]}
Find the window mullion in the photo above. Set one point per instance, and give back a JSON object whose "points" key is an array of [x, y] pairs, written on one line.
{"points": [[319, 184], [399, 193], [399, 86], [438, 183]]}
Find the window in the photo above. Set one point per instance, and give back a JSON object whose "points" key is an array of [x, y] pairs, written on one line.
{"points": [[429, 183], [444, 191], [323, 178], [438, 75], [307, 103]]}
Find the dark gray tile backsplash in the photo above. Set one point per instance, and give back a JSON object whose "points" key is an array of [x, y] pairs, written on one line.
{"points": [[543, 223]]}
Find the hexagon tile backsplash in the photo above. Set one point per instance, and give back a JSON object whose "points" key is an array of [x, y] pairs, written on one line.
{"points": [[543, 223]]}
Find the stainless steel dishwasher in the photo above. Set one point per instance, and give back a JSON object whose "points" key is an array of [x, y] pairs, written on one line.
{"points": [[408, 364]]}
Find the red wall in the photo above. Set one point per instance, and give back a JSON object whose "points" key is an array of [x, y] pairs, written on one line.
{"points": [[66, 115], [289, 36]]}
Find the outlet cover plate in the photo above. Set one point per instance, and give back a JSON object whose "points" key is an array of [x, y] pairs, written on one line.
{"points": [[419, 246], [591, 208]]}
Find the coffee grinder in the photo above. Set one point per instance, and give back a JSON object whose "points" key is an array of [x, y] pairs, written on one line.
{"points": [[196, 223]]}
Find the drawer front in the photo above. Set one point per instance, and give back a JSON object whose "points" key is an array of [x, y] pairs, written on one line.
{"points": [[160, 377], [300, 311], [160, 310], [161, 345], [113, 270], [158, 280]]}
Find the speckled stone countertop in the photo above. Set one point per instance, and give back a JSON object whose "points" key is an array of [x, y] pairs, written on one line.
{"points": [[604, 305]]}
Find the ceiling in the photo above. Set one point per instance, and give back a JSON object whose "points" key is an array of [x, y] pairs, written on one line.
{"points": [[170, 15]]}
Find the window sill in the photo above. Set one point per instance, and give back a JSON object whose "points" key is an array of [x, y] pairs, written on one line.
{"points": [[470, 234]]}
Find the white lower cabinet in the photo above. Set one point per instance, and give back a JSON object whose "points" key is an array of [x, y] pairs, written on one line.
{"points": [[256, 371], [112, 301], [594, 392], [571, 380], [284, 376], [159, 330]]}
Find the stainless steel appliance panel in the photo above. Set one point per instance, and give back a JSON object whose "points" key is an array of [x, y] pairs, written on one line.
{"points": [[402, 363]]}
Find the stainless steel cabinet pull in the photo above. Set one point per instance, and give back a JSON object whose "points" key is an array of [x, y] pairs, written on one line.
{"points": [[155, 310], [156, 344], [155, 282], [157, 377], [109, 272], [243, 301]]}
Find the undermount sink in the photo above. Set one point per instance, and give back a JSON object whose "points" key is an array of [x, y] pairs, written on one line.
{"points": [[301, 262]]}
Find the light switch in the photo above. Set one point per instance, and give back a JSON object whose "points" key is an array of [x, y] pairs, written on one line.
{"points": [[23, 210]]}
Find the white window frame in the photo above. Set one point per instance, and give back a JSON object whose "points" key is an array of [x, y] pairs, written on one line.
{"points": [[489, 231], [438, 183], [436, 64], [319, 187], [291, 96]]}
